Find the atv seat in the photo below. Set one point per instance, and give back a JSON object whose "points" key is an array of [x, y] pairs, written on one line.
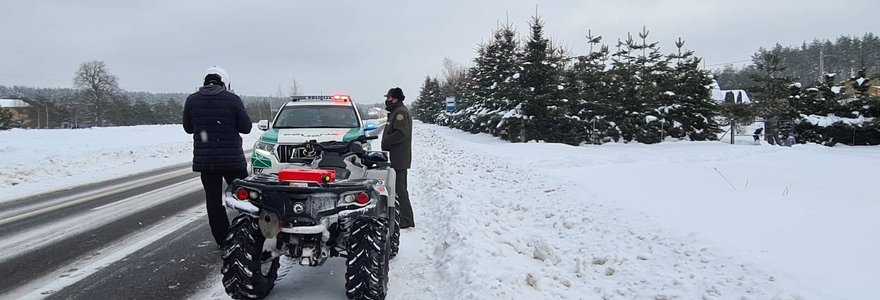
{"points": [[376, 160], [333, 161]]}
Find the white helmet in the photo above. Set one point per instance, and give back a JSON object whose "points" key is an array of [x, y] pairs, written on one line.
{"points": [[224, 77]]}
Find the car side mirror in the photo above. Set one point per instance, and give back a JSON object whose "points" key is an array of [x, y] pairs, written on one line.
{"points": [[263, 125]]}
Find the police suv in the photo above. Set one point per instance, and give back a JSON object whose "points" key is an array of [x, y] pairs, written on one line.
{"points": [[302, 119]]}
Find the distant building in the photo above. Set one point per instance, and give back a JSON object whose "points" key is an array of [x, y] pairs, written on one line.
{"points": [[731, 96], [19, 110]]}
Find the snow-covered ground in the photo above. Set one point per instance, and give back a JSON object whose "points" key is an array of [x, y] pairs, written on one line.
{"points": [[39, 160], [678, 220]]}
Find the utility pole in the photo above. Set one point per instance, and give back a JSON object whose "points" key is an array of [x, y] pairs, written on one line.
{"points": [[38, 115]]}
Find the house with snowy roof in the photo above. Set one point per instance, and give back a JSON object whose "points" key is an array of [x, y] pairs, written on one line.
{"points": [[728, 96], [19, 110]]}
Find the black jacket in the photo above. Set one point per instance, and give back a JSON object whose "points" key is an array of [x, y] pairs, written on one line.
{"points": [[216, 117], [397, 138]]}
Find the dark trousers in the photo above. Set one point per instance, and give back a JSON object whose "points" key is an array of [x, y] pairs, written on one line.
{"points": [[213, 184], [406, 212]]}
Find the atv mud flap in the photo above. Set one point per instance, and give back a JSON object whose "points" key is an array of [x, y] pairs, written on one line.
{"points": [[269, 224]]}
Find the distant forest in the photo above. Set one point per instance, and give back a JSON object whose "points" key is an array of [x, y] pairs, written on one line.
{"points": [[67, 106], [843, 57]]}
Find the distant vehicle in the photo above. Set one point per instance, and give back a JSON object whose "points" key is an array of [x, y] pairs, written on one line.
{"points": [[302, 119], [80, 126]]}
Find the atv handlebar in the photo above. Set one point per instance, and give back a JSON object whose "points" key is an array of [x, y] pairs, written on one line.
{"points": [[337, 147]]}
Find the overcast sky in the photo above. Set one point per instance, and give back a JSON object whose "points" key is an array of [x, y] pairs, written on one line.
{"points": [[365, 47]]}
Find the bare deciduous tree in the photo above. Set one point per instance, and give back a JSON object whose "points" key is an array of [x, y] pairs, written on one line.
{"points": [[453, 77], [295, 88], [97, 88]]}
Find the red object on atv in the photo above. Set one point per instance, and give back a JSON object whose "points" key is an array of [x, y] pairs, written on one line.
{"points": [[320, 176]]}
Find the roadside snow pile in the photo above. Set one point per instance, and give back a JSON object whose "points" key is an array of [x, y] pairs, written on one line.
{"points": [[487, 229]]}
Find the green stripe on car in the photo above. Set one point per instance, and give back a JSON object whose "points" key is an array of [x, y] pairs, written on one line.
{"points": [[270, 136], [260, 161], [353, 134]]}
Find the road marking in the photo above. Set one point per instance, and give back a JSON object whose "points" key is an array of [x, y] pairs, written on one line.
{"points": [[53, 282], [153, 192], [71, 200]]}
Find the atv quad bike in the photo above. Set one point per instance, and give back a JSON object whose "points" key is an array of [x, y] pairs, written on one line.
{"points": [[336, 205]]}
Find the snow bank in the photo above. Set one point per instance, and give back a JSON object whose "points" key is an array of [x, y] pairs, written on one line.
{"points": [[825, 121], [40, 160]]}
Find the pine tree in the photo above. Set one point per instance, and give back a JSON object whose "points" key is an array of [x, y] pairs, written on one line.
{"points": [[624, 99], [144, 113], [819, 100], [588, 94], [492, 95], [636, 71], [428, 106], [772, 90], [474, 93], [419, 107], [689, 110], [120, 112], [651, 70], [544, 109]]}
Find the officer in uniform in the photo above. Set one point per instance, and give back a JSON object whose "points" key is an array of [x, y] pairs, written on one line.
{"points": [[397, 139]]}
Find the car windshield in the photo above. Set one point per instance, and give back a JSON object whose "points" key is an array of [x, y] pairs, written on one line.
{"points": [[317, 116]]}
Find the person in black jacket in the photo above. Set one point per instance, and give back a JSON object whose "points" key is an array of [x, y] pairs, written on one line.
{"points": [[215, 117], [757, 135]]}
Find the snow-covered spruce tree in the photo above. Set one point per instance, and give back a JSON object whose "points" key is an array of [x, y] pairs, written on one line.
{"points": [[492, 94], [436, 103], [651, 69], [687, 106], [500, 114], [462, 118], [429, 103], [820, 100], [772, 90], [636, 69], [771, 96], [419, 106], [623, 98], [588, 91], [544, 109]]}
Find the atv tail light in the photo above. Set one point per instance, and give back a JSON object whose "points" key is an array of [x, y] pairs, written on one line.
{"points": [[246, 194], [348, 198], [241, 194], [362, 198]]}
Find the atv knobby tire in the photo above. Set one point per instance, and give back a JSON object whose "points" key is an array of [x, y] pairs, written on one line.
{"points": [[395, 233], [366, 275], [246, 273]]}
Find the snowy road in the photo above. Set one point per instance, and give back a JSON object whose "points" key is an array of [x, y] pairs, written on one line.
{"points": [[81, 242]]}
